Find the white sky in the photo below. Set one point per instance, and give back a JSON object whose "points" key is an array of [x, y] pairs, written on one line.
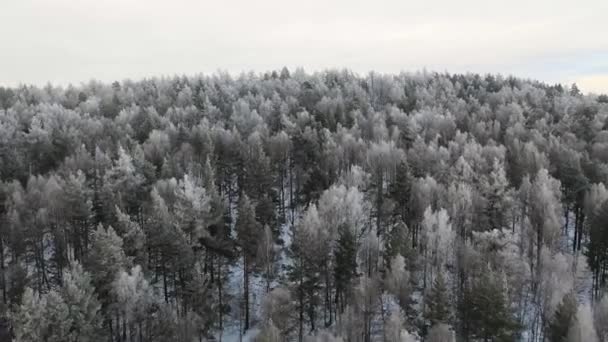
{"points": [[65, 41]]}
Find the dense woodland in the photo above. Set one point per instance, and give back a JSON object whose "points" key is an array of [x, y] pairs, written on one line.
{"points": [[291, 206]]}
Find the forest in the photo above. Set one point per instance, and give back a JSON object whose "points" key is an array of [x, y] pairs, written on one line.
{"points": [[296, 206]]}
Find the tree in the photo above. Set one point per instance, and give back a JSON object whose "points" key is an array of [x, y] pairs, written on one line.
{"points": [[30, 317], [345, 267], [84, 308], [601, 318], [308, 249], [597, 251], [440, 333], [70, 314], [438, 243], [581, 328], [105, 260], [562, 319], [248, 234], [78, 212], [393, 330], [277, 307], [545, 212], [488, 314], [439, 302], [134, 298], [398, 282], [266, 256], [192, 207], [496, 193], [400, 191], [59, 324], [123, 185], [397, 243]]}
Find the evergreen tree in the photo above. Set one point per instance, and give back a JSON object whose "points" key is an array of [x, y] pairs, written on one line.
{"points": [[439, 302], [398, 244], [597, 251], [30, 317], [84, 308], [581, 327], [440, 333], [248, 232], [398, 283], [134, 302], [345, 267], [489, 317], [59, 323], [400, 191], [105, 260], [562, 319]]}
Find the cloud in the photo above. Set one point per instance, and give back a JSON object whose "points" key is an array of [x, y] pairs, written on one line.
{"points": [[75, 40]]}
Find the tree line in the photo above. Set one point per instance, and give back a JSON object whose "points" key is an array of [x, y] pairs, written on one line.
{"points": [[294, 206]]}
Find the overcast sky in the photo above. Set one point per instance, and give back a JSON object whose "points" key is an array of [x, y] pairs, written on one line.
{"points": [[65, 41]]}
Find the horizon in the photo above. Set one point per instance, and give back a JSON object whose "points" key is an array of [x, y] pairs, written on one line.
{"points": [[262, 73]]}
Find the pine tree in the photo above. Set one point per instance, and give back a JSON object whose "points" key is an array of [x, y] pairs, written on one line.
{"points": [[134, 301], [278, 307], [30, 317], [562, 319], [398, 244], [106, 258], [78, 212], [581, 328], [597, 250], [488, 314], [104, 261], [398, 283], [248, 232], [400, 191], [59, 324], [307, 251], [345, 267], [439, 302], [266, 256], [84, 308], [600, 313], [269, 333], [440, 333], [393, 329], [495, 191]]}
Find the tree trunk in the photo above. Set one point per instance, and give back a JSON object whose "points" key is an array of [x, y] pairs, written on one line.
{"points": [[246, 291], [3, 270], [220, 298]]}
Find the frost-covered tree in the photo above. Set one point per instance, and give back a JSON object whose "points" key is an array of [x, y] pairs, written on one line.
{"points": [[134, 299], [248, 235], [393, 329], [440, 333], [439, 302], [388, 184], [438, 243], [562, 319], [83, 306], [30, 318], [600, 314], [545, 212], [582, 328], [106, 258], [71, 313], [488, 314]]}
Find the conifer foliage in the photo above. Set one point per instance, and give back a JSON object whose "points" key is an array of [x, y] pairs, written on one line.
{"points": [[294, 206]]}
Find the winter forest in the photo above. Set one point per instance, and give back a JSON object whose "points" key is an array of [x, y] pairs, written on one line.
{"points": [[295, 206]]}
